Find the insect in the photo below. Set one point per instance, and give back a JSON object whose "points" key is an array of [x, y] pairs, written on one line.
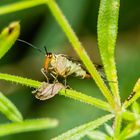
{"points": [[47, 91], [60, 65]]}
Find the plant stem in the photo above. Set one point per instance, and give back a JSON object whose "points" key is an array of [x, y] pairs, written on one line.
{"points": [[86, 99], [80, 50], [80, 131], [20, 80], [69, 93], [117, 125]]}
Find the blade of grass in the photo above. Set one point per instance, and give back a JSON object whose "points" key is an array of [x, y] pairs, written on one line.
{"points": [[81, 131], [86, 99], [130, 131], [132, 116], [69, 93], [8, 37], [27, 125], [79, 49], [20, 6], [107, 33], [98, 135], [117, 125], [133, 96], [9, 109], [20, 80]]}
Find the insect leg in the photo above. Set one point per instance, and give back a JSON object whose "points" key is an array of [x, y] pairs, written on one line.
{"points": [[55, 80], [44, 73]]}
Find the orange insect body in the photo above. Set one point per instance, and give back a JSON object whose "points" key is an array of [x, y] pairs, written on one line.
{"points": [[47, 61], [62, 65]]}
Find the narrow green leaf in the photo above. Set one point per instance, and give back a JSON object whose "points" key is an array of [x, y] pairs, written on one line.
{"points": [[117, 124], [109, 130], [97, 135], [69, 93], [8, 37], [9, 109], [27, 125], [107, 33], [133, 96], [20, 80], [86, 99], [20, 6], [130, 116], [135, 108], [81, 131], [125, 132], [62, 21], [130, 131]]}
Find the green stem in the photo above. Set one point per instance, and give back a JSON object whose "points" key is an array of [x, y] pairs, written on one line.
{"points": [[117, 125], [69, 93], [80, 50], [19, 80]]}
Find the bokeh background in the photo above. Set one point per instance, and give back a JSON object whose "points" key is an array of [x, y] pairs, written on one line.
{"points": [[39, 27]]}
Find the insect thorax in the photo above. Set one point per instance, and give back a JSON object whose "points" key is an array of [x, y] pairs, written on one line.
{"points": [[65, 67]]}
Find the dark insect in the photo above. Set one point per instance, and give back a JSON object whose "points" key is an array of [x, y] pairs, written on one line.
{"points": [[131, 96]]}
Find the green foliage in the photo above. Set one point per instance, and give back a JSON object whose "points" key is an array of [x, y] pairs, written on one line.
{"points": [[27, 125], [7, 39], [9, 109], [107, 28], [20, 6], [107, 33], [79, 132], [8, 36]]}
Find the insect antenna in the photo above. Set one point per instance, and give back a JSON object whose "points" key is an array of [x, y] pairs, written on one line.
{"points": [[45, 49], [31, 45]]}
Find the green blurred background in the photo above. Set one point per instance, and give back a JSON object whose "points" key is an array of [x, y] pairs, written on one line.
{"points": [[39, 27]]}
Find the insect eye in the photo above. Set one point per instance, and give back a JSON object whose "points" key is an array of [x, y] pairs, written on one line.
{"points": [[49, 55]]}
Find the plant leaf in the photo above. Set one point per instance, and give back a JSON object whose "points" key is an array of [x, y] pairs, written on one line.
{"points": [[132, 116], [107, 33], [27, 125], [69, 93], [62, 21], [20, 80], [133, 96], [97, 135], [135, 108], [86, 99], [81, 131], [20, 6], [109, 130], [9, 109], [8, 37]]}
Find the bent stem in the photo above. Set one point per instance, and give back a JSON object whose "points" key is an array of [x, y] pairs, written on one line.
{"points": [[80, 50]]}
